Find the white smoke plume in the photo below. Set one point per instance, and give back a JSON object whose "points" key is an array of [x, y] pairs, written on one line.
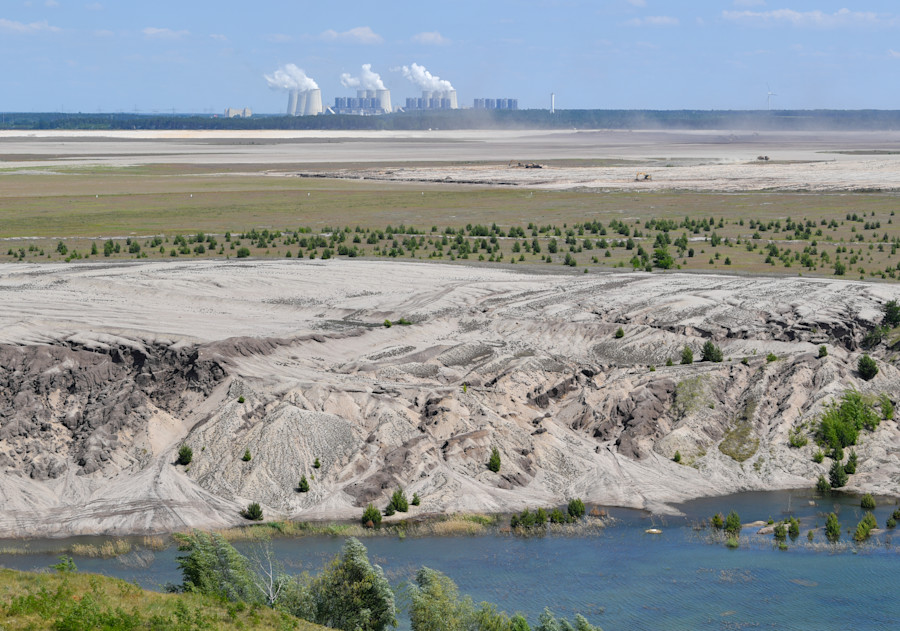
{"points": [[367, 79], [424, 79], [290, 77]]}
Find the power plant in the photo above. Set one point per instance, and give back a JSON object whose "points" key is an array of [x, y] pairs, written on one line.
{"points": [[434, 100], [366, 103], [496, 104], [304, 102]]}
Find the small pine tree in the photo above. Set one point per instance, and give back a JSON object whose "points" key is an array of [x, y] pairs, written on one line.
{"points": [[416, 500], [718, 521], [711, 352], [253, 512], [317, 464], [371, 516], [822, 485], [620, 333], [687, 355], [185, 455], [247, 457], [389, 510], [576, 508], [867, 367], [891, 314], [399, 501], [838, 477], [303, 487], [733, 524], [867, 502], [832, 528], [677, 457], [494, 462], [823, 351], [850, 467], [669, 361]]}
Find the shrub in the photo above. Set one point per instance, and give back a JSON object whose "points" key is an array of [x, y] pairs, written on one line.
{"points": [[796, 438], [822, 485], [687, 355], [771, 357], [303, 487], [416, 500], [389, 510], [867, 367], [669, 361], [891, 523], [819, 456], [494, 462], [867, 502], [810, 535], [247, 457], [399, 501], [823, 351], [253, 512], [891, 314], [371, 516], [185, 455], [717, 521], [65, 565], [837, 475], [887, 407], [850, 467], [733, 524], [732, 543], [620, 333], [842, 422], [677, 456], [213, 567], [710, 352], [576, 508], [864, 527], [241, 399], [387, 324], [317, 464], [832, 528], [793, 528], [780, 532], [243, 253]]}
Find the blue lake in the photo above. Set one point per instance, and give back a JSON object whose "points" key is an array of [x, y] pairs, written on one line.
{"points": [[625, 578]]}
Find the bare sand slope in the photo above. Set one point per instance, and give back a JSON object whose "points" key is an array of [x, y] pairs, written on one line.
{"points": [[106, 369]]}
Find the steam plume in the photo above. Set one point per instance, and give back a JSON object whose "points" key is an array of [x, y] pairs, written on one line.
{"points": [[424, 79], [367, 80], [290, 77]]}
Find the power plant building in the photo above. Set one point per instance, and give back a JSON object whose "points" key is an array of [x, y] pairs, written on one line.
{"points": [[434, 101], [231, 112], [304, 102], [366, 103], [496, 104]]}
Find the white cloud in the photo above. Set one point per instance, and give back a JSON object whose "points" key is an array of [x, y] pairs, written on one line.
{"points": [[358, 35], [789, 17], [218, 37], [152, 32], [893, 53], [654, 20], [31, 27], [432, 38]]}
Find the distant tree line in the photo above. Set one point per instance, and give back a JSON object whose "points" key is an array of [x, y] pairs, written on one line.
{"points": [[757, 120]]}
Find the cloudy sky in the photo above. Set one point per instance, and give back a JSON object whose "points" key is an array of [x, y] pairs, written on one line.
{"points": [[196, 56]]}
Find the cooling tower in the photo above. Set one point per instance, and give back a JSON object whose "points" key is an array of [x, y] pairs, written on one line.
{"points": [[303, 97], [313, 105], [384, 100], [292, 102], [454, 104]]}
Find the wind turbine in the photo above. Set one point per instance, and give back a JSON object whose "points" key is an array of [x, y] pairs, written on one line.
{"points": [[769, 95]]}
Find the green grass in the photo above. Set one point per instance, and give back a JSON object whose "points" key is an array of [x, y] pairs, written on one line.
{"points": [[75, 601]]}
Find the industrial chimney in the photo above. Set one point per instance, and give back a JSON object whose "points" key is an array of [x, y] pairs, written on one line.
{"points": [[384, 100], [293, 95]]}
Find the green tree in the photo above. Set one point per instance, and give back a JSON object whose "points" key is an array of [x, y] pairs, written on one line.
{"points": [[837, 475], [823, 351], [867, 367], [822, 485], [435, 604], [842, 422], [620, 333], [850, 467], [303, 487], [677, 456], [891, 314], [793, 528], [416, 500], [185, 455], [687, 355], [718, 521], [352, 594], [780, 532], [247, 457], [399, 501], [867, 502], [832, 528], [576, 508], [711, 352], [733, 524], [494, 462], [662, 259], [371, 516], [213, 567], [317, 464], [253, 512]]}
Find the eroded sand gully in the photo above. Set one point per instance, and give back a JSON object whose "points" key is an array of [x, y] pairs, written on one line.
{"points": [[106, 369]]}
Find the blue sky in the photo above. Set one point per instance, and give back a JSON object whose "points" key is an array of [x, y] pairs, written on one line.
{"points": [[195, 56]]}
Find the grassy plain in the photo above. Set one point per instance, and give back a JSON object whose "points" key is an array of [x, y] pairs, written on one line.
{"points": [[85, 206]]}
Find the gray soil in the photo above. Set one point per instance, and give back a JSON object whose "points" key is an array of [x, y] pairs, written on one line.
{"points": [[106, 370]]}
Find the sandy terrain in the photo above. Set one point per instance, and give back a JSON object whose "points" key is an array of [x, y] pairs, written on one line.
{"points": [[106, 369], [698, 160]]}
